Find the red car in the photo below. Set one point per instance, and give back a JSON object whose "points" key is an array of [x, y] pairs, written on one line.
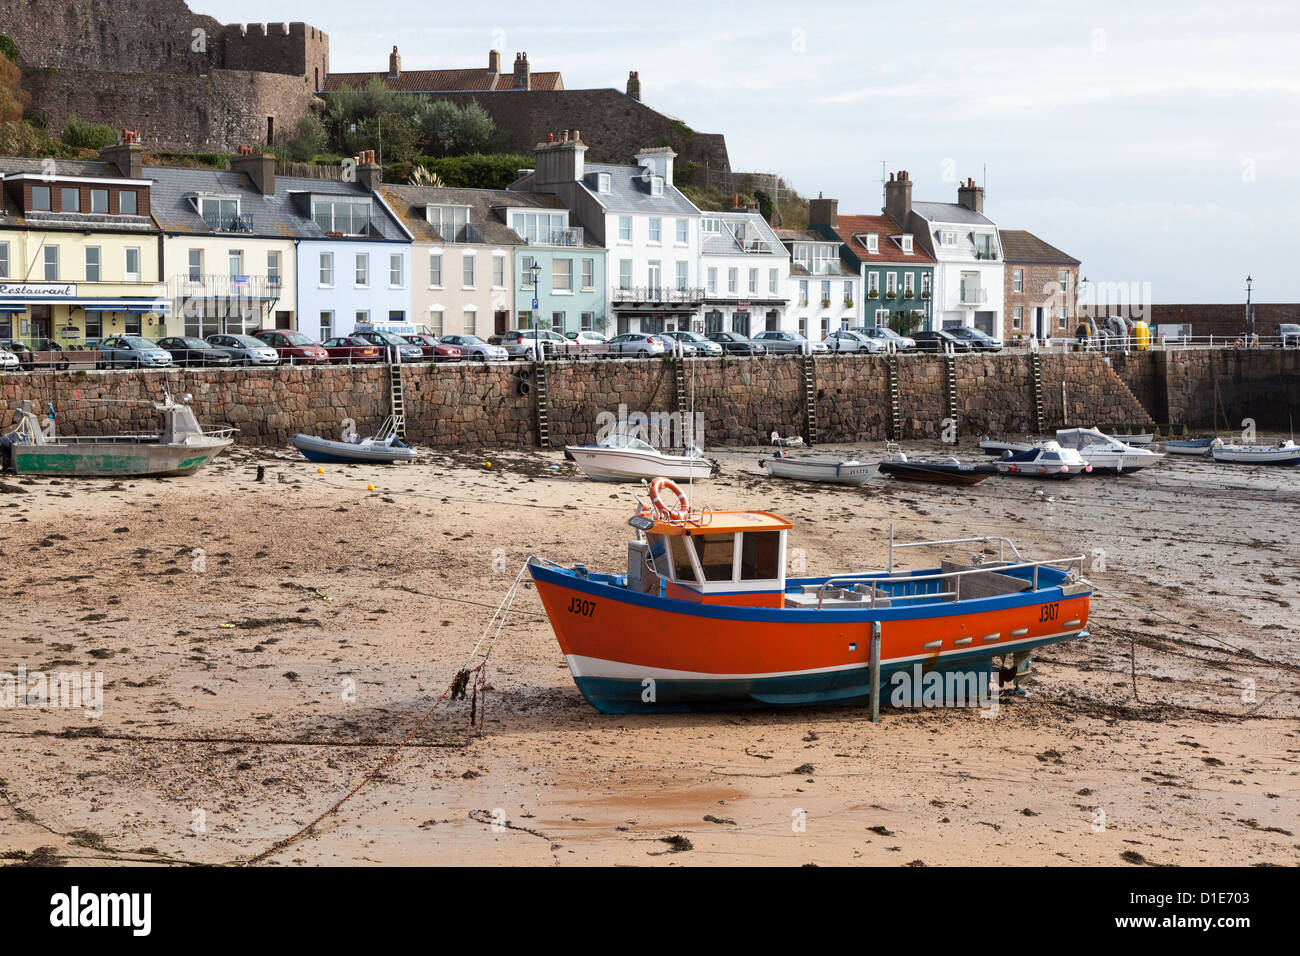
{"points": [[350, 348], [294, 347], [434, 350]]}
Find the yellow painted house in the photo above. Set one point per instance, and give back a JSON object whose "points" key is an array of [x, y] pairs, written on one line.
{"points": [[80, 255]]}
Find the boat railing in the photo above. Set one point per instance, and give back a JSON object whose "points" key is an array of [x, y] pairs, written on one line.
{"points": [[1002, 542], [908, 577]]}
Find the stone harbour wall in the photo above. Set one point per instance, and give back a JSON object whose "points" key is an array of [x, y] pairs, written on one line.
{"points": [[742, 401]]}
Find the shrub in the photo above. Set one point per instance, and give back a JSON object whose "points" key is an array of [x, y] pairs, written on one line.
{"points": [[80, 135]]}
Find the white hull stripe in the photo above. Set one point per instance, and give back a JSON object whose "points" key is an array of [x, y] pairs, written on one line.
{"points": [[581, 666]]}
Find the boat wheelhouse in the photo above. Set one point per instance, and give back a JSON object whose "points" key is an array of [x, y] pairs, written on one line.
{"points": [[706, 618]]}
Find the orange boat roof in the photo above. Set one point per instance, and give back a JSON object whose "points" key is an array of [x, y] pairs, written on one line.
{"points": [[723, 522]]}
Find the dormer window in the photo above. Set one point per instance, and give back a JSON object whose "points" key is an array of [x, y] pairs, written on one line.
{"points": [[221, 213], [602, 182], [341, 216], [656, 185], [907, 244], [41, 198], [711, 225], [949, 237], [873, 243], [449, 221]]}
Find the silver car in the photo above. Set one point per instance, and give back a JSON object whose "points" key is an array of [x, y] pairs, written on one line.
{"points": [[131, 351], [522, 343], [848, 340], [702, 345], [788, 342], [640, 344], [475, 348], [245, 349]]}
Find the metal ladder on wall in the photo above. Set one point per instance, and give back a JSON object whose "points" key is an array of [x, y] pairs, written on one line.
{"points": [[1036, 369], [397, 398], [679, 385], [950, 380], [895, 398], [542, 404], [810, 397]]}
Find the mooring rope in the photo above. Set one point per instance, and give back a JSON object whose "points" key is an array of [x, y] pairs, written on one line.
{"points": [[456, 690]]}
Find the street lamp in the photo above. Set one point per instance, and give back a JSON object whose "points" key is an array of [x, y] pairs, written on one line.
{"points": [[536, 271], [1250, 315]]}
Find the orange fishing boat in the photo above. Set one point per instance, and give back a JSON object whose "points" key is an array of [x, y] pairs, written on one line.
{"points": [[706, 618]]}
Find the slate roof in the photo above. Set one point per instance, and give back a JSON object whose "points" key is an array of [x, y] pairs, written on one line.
{"points": [[284, 215], [889, 249], [1021, 246], [443, 81], [629, 193], [78, 222], [485, 210], [725, 243], [950, 212]]}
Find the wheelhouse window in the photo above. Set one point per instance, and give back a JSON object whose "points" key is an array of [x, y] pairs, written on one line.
{"points": [[680, 556], [717, 555], [760, 556]]}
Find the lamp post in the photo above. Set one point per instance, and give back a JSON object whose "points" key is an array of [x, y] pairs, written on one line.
{"points": [[536, 271], [1250, 315]]}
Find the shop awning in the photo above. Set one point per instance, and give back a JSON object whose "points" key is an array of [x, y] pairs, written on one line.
{"points": [[139, 306]]}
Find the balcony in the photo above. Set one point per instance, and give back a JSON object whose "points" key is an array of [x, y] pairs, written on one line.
{"points": [[756, 247], [656, 295], [973, 295], [237, 224], [556, 237], [248, 287]]}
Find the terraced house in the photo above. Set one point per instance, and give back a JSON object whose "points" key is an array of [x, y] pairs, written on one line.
{"points": [[896, 273], [230, 247], [79, 254], [650, 231], [824, 292], [746, 273], [1040, 284]]}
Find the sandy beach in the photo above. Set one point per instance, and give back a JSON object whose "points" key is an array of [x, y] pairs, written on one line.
{"points": [[264, 644]]}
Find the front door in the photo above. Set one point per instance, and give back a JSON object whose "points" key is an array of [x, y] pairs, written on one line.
{"points": [[1040, 328], [499, 321], [41, 325], [773, 321]]}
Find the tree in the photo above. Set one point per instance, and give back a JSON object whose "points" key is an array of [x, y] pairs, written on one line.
{"points": [[906, 321], [766, 204], [311, 139], [17, 138]]}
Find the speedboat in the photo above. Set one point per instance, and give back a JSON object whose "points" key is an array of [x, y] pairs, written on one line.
{"points": [[382, 448], [621, 456], [180, 447], [705, 617], [1105, 453], [848, 471], [1045, 459], [992, 446], [1136, 439], [948, 471], [1241, 453]]}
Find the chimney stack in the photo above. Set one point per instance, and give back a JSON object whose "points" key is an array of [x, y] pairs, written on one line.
{"points": [[523, 76], [260, 169], [394, 63], [369, 172], [898, 198], [560, 159], [824, 212], [127, 156], [634, 85], [494, 61], [971, 196]]}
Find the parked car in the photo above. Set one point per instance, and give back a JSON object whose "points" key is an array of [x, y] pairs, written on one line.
{"points": [[191, 351], [1288, 334], [434, 349], [131, 351], [849, 340], [977, 340], [20, 351], [702, 345], [887, 336], [637, 344], [672, 343], [245, 350], [475, 348], [733, 343], [8, 360], [521, 343], [293, 347], [589, 343], [391, 345], [939, 340], [779, 342], [351, 348]]}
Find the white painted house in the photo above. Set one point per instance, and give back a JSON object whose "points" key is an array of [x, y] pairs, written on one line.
{"points": [[968, 270], [746, 272], [650, 231], [825, 294]]}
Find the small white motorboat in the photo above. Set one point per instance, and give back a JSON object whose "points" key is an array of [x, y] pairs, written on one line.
{"points": [[624, 457], [992, 446], [1105, 453], [1044, 460], [1136, 439], [1283, 453], [848, 471], [1190, 446]]}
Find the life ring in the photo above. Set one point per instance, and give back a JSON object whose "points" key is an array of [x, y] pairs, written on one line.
{"points": [[660, 485]]}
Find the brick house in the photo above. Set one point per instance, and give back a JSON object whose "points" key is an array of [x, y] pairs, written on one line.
{"points": [[1040, 288]]}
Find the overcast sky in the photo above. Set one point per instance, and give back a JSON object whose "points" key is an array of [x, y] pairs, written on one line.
{"points": [[1156, 142]]}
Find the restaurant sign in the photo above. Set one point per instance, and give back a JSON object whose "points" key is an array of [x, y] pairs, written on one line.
{"points": [[31, 290]]}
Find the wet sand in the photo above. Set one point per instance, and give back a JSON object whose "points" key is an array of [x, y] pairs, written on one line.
{"points": [[250, 684]]}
